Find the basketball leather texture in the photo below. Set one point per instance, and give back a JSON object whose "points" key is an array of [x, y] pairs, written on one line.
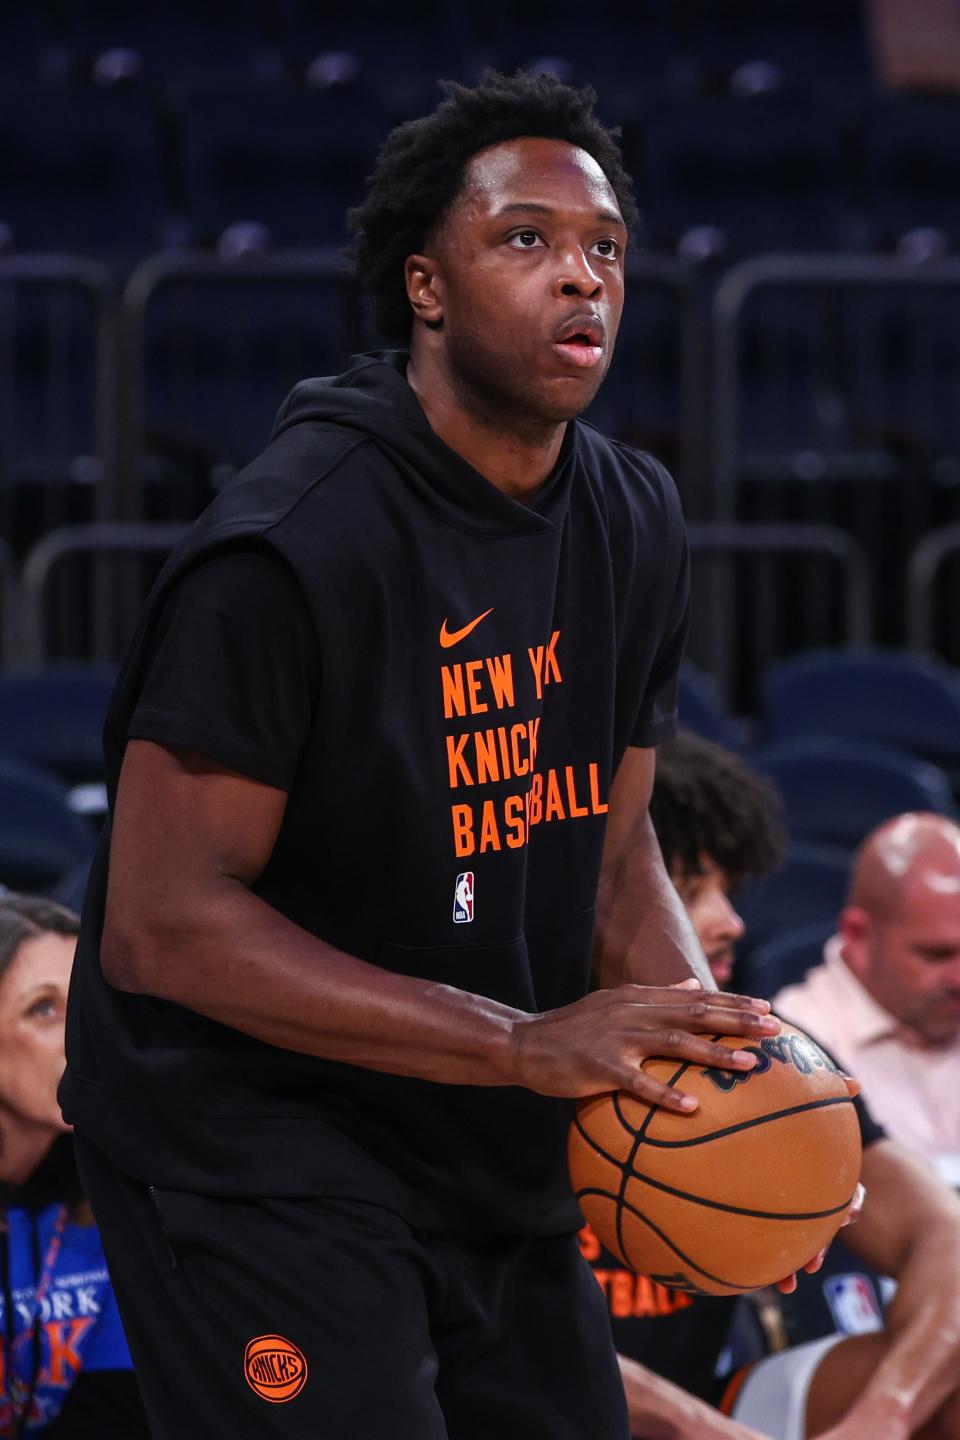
{"points": [[737, 1194]]}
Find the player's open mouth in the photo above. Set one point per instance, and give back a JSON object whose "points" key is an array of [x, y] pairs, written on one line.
{"points": [[580, 341], [579, 351]]}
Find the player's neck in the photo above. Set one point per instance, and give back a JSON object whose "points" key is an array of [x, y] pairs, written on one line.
{"points": [[516, 458]]}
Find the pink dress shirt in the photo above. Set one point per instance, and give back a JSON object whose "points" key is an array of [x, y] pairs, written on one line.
{"points": [[912, 1088]]}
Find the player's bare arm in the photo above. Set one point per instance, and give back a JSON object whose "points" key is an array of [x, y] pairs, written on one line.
{"points": [[900, 1382], [183, 923], [644, 934]]}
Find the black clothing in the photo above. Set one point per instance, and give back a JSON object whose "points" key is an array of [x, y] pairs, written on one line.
{"points": [[682, 1336], [445, 682], [403, 1334]]}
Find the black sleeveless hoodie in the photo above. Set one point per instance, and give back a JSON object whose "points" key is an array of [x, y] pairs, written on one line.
{"points": [[484, 665]]}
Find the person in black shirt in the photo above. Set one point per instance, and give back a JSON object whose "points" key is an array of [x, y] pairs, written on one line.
{"points": [[379, 760], [848, 1377]]}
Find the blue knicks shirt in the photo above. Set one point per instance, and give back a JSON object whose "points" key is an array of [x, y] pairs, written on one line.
{"points": [[79, 1323]]}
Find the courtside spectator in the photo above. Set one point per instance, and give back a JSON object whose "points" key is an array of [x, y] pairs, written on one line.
{"points": [[886, 999], [65, 1371], [717, 824]]}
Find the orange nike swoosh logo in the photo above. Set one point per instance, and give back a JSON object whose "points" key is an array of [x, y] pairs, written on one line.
{"points": [[446, 639]]}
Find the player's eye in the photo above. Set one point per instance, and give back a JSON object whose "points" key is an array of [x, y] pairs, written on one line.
{"points": [[609, 249], [525, 240]]}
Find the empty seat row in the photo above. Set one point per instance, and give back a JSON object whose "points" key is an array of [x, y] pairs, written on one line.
{"points": [[121, 171]]}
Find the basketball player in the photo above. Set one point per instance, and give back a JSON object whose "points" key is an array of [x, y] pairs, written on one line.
{"points": [[717, 825], [426, 644]]}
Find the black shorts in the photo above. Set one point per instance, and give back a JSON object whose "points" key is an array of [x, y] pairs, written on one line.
{"points": [[334, 1320]]}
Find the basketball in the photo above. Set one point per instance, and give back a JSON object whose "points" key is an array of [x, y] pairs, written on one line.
{"points": [[736, 1195]]}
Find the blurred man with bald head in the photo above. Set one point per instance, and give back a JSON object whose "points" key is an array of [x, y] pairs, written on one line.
{"points": [[886, 999]]}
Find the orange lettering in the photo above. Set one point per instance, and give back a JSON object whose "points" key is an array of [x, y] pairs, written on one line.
{"points": [[589, 1245], [62, 1336], [504, 751], [489, 834], [536, 660], [621, 1294], [536, 800], [534, 740], [487, 767], [500, 668], [550, 662], [514, 816], [454, 701], [595, 805], [554, 802], [518, 733], [473, 669], [463, 840], [456, 765], [575, 810]]}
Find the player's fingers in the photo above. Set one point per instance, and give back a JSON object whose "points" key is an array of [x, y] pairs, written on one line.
{"points": [[639, 1083], [812, 1266], [667, 994], [787, 1285], [703, 1017], [676, 1044], [856, 1205]]}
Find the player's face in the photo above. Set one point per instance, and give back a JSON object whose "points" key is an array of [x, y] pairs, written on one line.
{"points": [[706, 898], [530, 280], [914, 962], [33, 1002]]}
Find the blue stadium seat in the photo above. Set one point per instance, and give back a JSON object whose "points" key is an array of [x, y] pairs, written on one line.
{"points": [[54, 718], [785, 959], [294, 160], [908, 701], [912, 164], [222, 352], [837, 790], [810, 887], [703, 711], [767, 171], [41, 839], [81, 171]]}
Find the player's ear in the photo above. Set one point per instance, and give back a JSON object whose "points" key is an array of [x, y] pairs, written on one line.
{"points": [[854, 931], [424, 284]]}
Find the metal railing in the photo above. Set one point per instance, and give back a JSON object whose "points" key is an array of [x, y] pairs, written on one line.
{"points": [[116, 610], [763, 627], [54, 279], [926, 563], [810, 274]]}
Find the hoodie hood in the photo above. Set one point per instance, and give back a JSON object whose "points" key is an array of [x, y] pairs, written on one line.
{"points": [[373, 399]]}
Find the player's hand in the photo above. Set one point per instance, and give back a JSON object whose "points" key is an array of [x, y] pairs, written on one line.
{"points": [[598, 1043], [788, 1285]]}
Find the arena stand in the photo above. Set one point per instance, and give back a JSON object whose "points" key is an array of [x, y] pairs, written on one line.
{"points": [[171, 265]]}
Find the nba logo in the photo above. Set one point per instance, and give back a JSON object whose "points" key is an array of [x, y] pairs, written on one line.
{"points": [[463, 899], [853, 1304]]}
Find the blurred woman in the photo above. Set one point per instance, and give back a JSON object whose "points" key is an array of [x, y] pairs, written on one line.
{"points": [[65, 1370]]}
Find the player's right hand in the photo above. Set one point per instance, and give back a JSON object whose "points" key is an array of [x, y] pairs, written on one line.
{"points": [[599, 1043]]}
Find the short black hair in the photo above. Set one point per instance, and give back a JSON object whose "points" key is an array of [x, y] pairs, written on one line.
{"points": [[420, 167], [708, 802]]}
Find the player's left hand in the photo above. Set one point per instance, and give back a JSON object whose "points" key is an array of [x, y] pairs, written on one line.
{"points": [[788, 1285]]}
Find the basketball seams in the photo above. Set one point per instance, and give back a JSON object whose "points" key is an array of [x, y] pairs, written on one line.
{"points": [[739, 1209], [595, 1144], [716, 1279], [749, 1124], [638, 1137]]}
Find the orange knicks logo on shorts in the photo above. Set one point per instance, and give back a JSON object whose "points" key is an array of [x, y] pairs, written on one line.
{"points": [[275, 1368]]}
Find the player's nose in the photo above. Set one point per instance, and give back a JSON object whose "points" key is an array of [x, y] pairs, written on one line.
{"points": [[576, 276]]}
